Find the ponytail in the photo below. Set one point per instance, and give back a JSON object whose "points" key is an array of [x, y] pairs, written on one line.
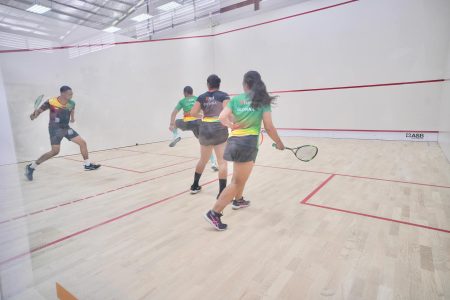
{"points": [[258, 91]]}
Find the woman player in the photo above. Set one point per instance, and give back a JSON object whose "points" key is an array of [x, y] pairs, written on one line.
{"points": [[188, 122], [247, 110], [212, 134]]}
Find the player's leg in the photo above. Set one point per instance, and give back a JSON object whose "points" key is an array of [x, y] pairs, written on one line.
{"points": [[56, 136], [241, 149], [213, 162], [205, 153], [239, 201], [179, 124], [241, 173], [223, 168], [195, 130], [74, 137], [46, 156], [29, 169]]}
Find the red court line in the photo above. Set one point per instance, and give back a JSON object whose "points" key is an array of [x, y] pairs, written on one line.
{"points": [[178, 38], [57, 241], [93, 151], [165, 154], [174, 164], [355, 176], [174, 155], [317, 189], [137, 151], [358, 130], [377, 217], [140, 172], [359, 86], [284, 18], [92, 196], [113, 167], [126, 156], [393, 180]]}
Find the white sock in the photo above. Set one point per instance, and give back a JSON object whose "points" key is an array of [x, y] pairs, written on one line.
{"points": [[175, 133], [87, 162], [212, 159], [33, 165]]}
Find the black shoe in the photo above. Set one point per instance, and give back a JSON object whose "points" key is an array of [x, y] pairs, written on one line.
{"points": [[241, 203], [91, 167], [195, 189], [214, 168], [29, 172], [174, 142], [214, 219]]}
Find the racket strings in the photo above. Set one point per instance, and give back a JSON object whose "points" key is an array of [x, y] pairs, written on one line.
{"points": [[306, 153]]}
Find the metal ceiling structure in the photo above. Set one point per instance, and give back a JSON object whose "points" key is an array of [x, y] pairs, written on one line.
{"points": [[69, 20]]}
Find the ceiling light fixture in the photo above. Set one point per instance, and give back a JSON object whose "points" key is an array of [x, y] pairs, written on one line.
{"points": [[141, 17], [38, 9], [170, 6], [111, 29]]}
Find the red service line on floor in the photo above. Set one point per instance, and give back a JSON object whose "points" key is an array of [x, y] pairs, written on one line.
{"points": [[57, 241], [140, 172], [318, 188], [137, 151], [93, 196], [355, 176], [103, 165], [119, 157], [174, 155], [378, 217], [164, 154]]}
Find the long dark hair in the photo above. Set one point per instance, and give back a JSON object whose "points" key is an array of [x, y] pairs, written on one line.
{"points": [[258, 92]]}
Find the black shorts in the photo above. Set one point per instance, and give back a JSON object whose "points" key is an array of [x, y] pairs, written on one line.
{"points": [[190, 125], [241, 148], [58, 133], [212, 134]]}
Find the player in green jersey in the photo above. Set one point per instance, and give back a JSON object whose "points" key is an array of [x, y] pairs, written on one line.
{"points": [[188, 122], [243, 114]]}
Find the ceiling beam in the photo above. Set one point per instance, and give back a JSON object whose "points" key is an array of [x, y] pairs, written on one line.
{"points": [[45, 30], [56, 11], [122, 2], [129, 12], [105, 7], [239, 5], [82, 9]]}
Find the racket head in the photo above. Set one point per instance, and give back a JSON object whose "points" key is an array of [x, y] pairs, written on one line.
{"points": [[38, 102], [306, 153]]}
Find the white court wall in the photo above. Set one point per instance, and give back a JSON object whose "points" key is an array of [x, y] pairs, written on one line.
{"points": [[11, 199], [444, 126], [124, 94], [365, 42]]}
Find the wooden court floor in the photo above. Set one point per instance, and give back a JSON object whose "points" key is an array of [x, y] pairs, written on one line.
{"points": [[364, 220]]}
